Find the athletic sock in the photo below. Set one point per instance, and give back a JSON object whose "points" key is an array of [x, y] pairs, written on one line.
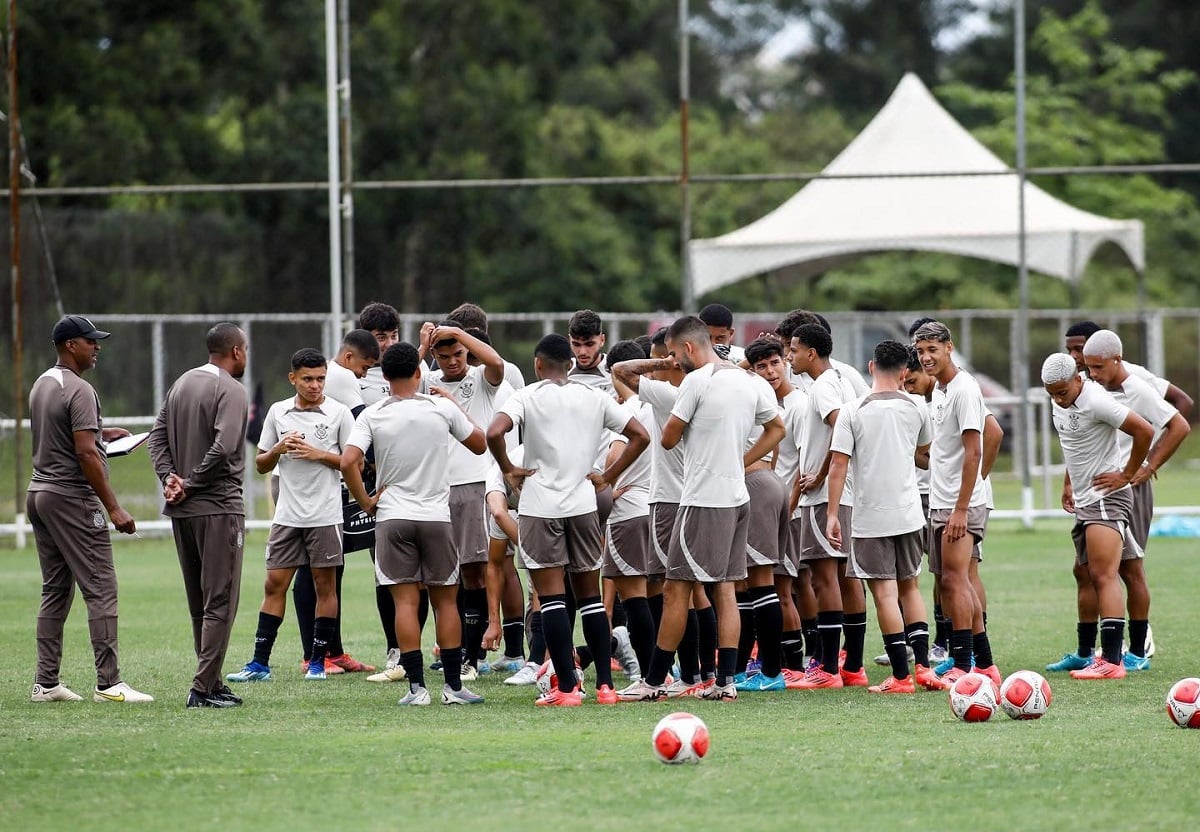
{"points": [[942, 628], [792, 643], [452, 662], [707, 641], [960, 649], [726, 664], [304, 601], [1087, 632], [983, 649], [583, 656], [537, 638], [746, 639], [656, 607], [641, 630], [322, 633], [768, 625], [812, 638], [917, 635], [660, 665], [387, 615], [514, 637], [620, 616], [264, 638], [335, 643], [474, 616], [597, 634], [829, 629], [689, 649], [414, 668], [1112, 632], [897, 651], [854, 625], [557, 629], [1137, 636]]}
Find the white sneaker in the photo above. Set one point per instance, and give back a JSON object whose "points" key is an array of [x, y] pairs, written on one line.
{"points": [[1149, 641], [625, 655], [462, 696], [392, 671], [640, 691], [883, 661], [527, 675], [468, 673], [937, 654], [120, 692], [58, 693], [417, 696]]}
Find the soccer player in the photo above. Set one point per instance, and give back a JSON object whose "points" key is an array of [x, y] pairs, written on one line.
{"points": [[841, 604], [1087, 419], [719, 320], [562, 423], [198, 448], [878, 439], [68, 495], [957, 499], [303, 436], [410, 433], [1077, 336], [470, 316], [358, 353], [798, 317], [717, 407], [1102, 360], [586, 333]]}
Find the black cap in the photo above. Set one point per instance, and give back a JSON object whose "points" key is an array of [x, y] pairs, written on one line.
{"points": [[77, 326]]}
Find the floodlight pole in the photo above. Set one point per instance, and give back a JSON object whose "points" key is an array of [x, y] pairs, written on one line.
{"points": [[14, 231], [347, 212], [335, 201], [687, 292], [1022, 445]]}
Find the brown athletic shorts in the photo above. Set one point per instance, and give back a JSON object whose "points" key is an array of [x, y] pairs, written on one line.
{"points": [[814, 545], [289, 547], [627, 550], [1112, 510], [766, 537], [1141, 515], [415, 551], [468, 520], [662, 524], [604, 505], [977, 517], [709, 544], [571, 542], [895, 558], [790, 564], [927, 535]]}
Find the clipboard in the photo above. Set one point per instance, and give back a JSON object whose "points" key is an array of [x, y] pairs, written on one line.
{"points": [[126, 444]]}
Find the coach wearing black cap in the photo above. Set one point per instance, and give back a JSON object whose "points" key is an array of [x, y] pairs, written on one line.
{"points": [[68, 496]]}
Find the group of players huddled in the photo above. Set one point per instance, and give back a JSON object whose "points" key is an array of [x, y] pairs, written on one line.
{"points": [[712, 515]]}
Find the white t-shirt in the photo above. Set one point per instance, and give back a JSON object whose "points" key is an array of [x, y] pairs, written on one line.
{"points": [[310, 492], [636, 501], [923, 473], [827, 393], [411, 457], [880, 433], [787, 460], [1157, 384], [955, 408], [373, 387], [342, 385], [721, 404], [480, 400], [1087, 431], [597, 377], [666, 478], [852, 375], [562, 426], [513, 375], [1145, 401]]}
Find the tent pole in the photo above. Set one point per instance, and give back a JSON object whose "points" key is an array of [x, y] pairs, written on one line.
{"points": [[687, 296], [1022, 444]]}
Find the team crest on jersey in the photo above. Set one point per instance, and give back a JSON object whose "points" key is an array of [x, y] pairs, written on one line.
{"points": [[466, 390], [939, 412], [97, 519], [1073, 421], [321, 432]]}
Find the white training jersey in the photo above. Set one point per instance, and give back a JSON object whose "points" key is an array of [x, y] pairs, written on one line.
{"points": [[720, 403], [666, 478], [792, 408], [342, 385], [756, 432], [1087, 431], [880, 433], [597, 377], [480, 400], [1145, 401], [827, 393], [635, 501], [922, 473], [310, 492], [410, 437], [955, 409], [373, 387], [561, 425], [1158, 384], [852, 375], [513, 375]]}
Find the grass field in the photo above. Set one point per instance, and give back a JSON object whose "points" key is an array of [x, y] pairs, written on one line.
{"points": [[306, 755]]}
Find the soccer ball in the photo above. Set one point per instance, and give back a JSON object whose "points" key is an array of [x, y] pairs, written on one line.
{"points": [[1025, 695], [680, 738], [1183, 703], [974, 698]]}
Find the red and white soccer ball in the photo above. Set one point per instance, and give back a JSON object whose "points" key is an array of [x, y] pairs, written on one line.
{"points": [[680, 738], [1183, 703], [974, 698], [1025, 695]]}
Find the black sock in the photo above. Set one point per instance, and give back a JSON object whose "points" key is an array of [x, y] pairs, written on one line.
{"points": [[746, 639], [917, 634], [660, 665], [706, 642], [854, 625], [474, 618], [620, 617], [583, 656], [792, 643], [335, 643], [537, 638], [656, 605], [322, 632], [641, 630], [983, 649], [1112, 632], [556, 626], [387, 615], [422, 608], [414, 668], [304, 601], [726, 665], [897, 651], [1137, 636], [689, 649], [514, 637], [264, 638], [452, 662], [942, 628], [768, 625], [829, 628], [596, 633], [1087, 632], [812, 638], [960, 649]]}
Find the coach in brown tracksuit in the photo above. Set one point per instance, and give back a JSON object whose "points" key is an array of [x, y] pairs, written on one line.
{"points": [[198, 448]]}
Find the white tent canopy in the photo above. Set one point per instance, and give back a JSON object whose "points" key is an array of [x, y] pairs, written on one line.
{"points": [[834, 220]]}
